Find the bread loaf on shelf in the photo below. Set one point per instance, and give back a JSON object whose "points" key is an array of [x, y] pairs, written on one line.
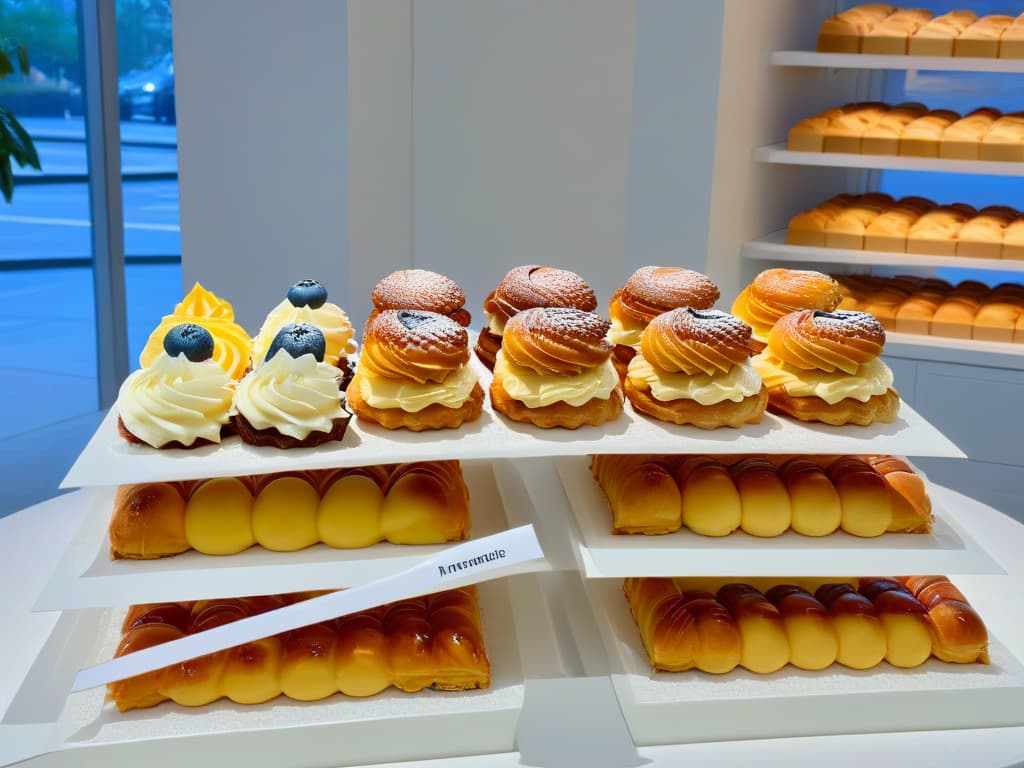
{"points": [[844, 32], [1004, 141], [417, 503], [428, 642], [1011, 44], [981, 38], [937, 37], [891, 36], [921, 137], [762, 495], [883, 138], [962, 139], [685, 625]]}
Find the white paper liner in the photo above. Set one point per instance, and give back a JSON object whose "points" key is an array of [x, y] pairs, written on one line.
{"points": [[948, 549], [109, 460], [664, 707], [86, 577], [88, 720]]}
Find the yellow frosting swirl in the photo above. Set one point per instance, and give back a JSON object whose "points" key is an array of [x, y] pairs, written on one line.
{"points": [[295, 396], [536, 391], [872, 378], [175, 400], [330, 319], [413, 397], [232, 346], [626, 335], [741, 381]]}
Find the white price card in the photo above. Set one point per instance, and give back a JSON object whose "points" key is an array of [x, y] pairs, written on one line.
{"points": [[467, 563]]}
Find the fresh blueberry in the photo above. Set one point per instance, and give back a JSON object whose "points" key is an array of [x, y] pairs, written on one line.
{"points": [[299, 339], [307, 293], [194, 340]]}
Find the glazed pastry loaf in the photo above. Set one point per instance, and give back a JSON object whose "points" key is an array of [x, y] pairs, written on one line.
{"points": [[428, 642], [417, 503], [904, 622], [762, 495]]}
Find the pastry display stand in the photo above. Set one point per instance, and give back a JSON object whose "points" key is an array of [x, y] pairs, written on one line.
{"points": [[544, 726]]}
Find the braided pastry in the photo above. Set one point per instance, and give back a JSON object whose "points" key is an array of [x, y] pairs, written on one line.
{"points": [[762, 495], [419, 503], [855, 626], [428, 642]]}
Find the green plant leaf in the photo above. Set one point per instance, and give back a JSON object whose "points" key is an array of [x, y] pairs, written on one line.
{"points": [[16, 141], [6, 68], [6, 178], [23, 63]]}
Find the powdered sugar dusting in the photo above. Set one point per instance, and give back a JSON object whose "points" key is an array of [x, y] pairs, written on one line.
{"points": [[418, 289]]}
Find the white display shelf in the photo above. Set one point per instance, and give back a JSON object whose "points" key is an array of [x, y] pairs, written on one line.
{"points": [[948, 549], [667, 708], [86, 577], [879, 61], [777, 153], [993, 354], [77, 728], [773, 247]]}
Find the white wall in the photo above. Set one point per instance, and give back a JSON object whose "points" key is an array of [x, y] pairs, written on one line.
{"points": [[261, 89], [521, 114]]}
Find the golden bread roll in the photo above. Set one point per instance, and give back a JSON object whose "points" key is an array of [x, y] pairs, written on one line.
{"points": [[218, 517], [434, 641], [962, 139], [982, 236], [958, 633], [844, 131], [847, 229], [641, 493], [1011, 44], [981, 39], [764, 499], [808, 135], [862, 641], [816, 507], [711, 503], [883, 138], [425, 501], [911, 506], [936, 231], [996, 320], [864, 495], [808, 227], [668, 628], [891, 36], [765, 646], [148, 521], [1004, 141], [921, 137], [350, 510], [812, 639], [937, 37], [719, 642], [844, 33], [908, 631]]}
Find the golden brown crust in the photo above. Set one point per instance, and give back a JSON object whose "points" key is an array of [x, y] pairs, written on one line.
{"points": [[749, 410], [652, 290], [148, 521], [413, 344], [434, 416], [421, 289], [880, 408], [827, 341], [593, 412], [432, 641], [777, 292], [486, 348], [556, 341], [271, 438], [531, 286], [696, 341]]}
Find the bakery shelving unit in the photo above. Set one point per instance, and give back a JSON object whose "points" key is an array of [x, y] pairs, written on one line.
{"points": [[757, 106]]}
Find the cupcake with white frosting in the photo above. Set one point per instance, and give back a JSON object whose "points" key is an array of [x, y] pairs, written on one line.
{"points": [[182, 399], [293, 399]]}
